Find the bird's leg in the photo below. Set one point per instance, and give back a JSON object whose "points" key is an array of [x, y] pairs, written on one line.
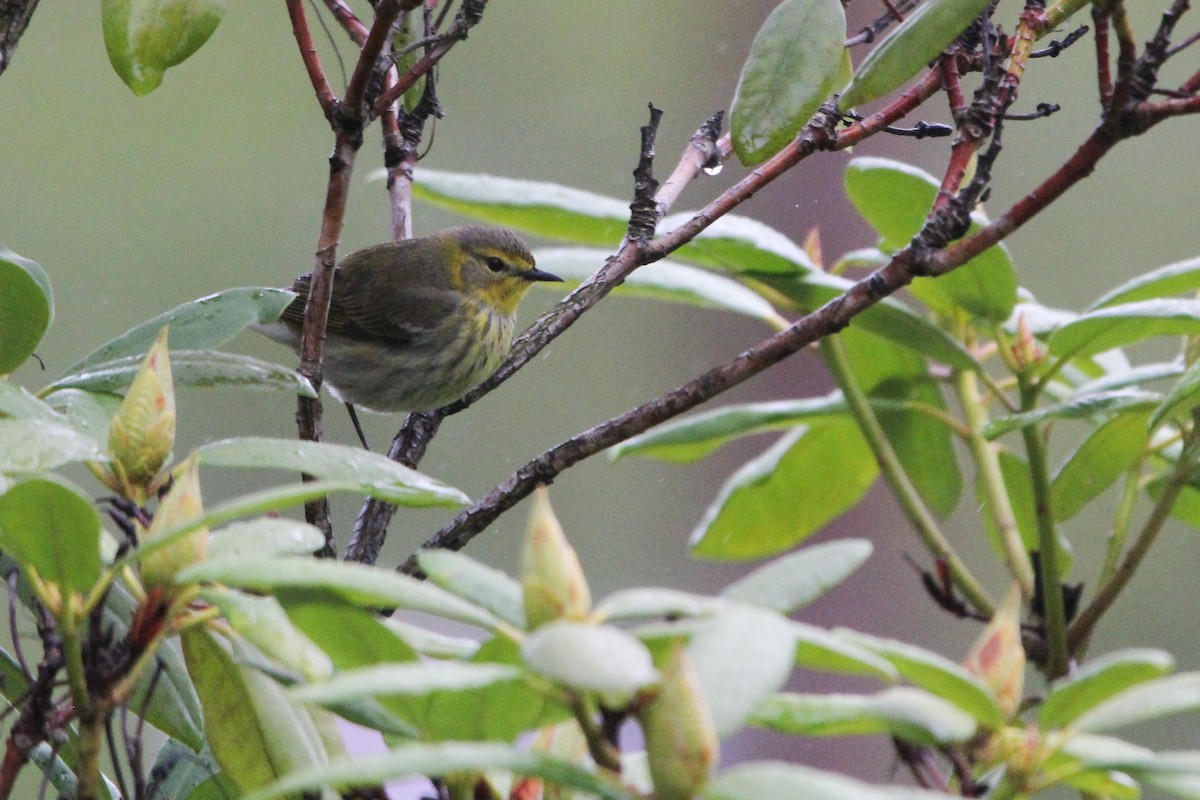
{"points": [[362, 437]]}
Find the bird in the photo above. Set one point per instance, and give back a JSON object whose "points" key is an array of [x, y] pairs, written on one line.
{"points": [[416, 324]]}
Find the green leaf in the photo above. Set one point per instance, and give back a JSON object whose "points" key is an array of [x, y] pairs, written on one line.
{"points": [[497, 712], [1098, 680], [264, 538], [742, 654], [937, 675], [755, 780], [255, 730], [592, 658], [262, 621], [808, 478], [662, 280], [790, 583], [1173, 279], [1182, 398], [192, 368], [374, 472], [475, 582], [441, 759], [915, 42], [18, 403], [739, 245], [889, 318], [179, 772], [548, 210], [146, 37], [640, 604], [694, 437], [26, 308], [201, 324], [1175, 772], [903, 712], [1078, 407], [1108, 452], [54, 529], [820, 650], [896, 199], [1146, 701], [89, 413], [415, 679], [1134, 376], [1121, 325], [792, 66], [896, 381], [35, 445], [364, 586]]}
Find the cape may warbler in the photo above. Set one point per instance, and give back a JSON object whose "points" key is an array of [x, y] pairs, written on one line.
{"points": [[414, 325]]}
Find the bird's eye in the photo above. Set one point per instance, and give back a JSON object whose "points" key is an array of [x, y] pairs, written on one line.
{"points": [[495, 264]]}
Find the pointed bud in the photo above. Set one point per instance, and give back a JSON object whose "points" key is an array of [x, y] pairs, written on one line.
{"points": [[681, 739], [997, 655], [552, 579], [1026, 352], [812, 246], [181, 505], [143, 431]]}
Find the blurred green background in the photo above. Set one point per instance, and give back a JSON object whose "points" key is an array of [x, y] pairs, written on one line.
{"points": [[134, 205]]}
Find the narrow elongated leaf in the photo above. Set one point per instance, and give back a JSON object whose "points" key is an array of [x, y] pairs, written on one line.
{"points": [[818, 649], [26, 308], [594, 658], [739, 245], [192, 368], [755, 780], [441, 759], [896, 198], [1108, 452], [935, 674], [146, 37], [1121, 325], [179, 772], [1135, 376], [1182, 397], [354, 583], [641, 604], [1150, 700], [419, 679], [663, 280], [90, 413], [889, 318], [35, 445], [903, 712], [792, 66], [1078, 407], [264, 538], [548, 210], [788, 493], [476, 582], [1099, 679], [694, 437], [1182, 277], [53, 528], [201, 324], [916, 41], [333, 462], [791, 582]]}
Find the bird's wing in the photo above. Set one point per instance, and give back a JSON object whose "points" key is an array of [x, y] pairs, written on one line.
{"points": [[401, 322]]}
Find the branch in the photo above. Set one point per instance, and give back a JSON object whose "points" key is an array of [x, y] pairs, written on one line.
{"points": [[14, 19], [308, 53]]}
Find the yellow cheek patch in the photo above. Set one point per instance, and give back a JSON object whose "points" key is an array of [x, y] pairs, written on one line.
{"points": [[505, 294]]}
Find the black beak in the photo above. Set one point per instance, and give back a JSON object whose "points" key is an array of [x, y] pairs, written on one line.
{"points": [[536, 274]]}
